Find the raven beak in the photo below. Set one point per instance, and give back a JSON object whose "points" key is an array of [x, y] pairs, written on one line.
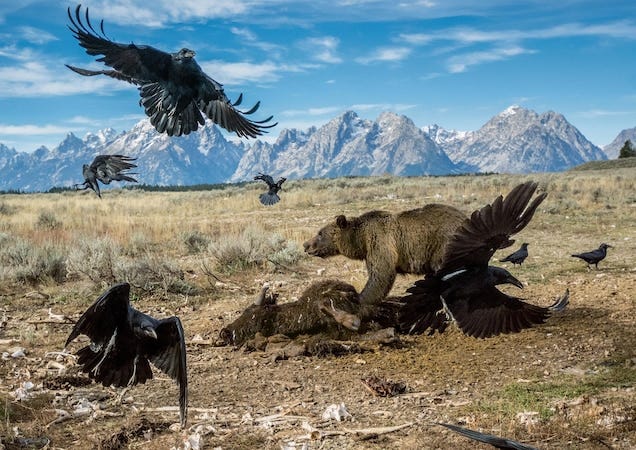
{"points": [[512, 280], [150, 332]]}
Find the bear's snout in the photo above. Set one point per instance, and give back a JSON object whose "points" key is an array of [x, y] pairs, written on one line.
{"points": [[309, 246]]}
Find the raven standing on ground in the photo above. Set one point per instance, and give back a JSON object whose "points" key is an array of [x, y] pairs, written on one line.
{"points": [[270, 197], [517, 257], [495, 441], [106, 168], [173, 88], [464, 290], [124, 340], [595, 256]]}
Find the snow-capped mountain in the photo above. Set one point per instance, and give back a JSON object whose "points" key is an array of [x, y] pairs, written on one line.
{"points": [[349, 145], [517, 140], [613, 148]]}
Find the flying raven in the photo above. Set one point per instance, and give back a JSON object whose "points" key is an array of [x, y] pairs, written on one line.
{"points": [[495, 441], [464, 290], [517, 257], [124, 340], [106, 168], [173, 88], [271, 196], [595, 256]]}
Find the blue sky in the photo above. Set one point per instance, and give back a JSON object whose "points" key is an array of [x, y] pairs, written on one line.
{"points": [[451, 62]]}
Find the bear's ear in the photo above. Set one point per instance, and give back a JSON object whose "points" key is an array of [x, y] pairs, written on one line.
{"points": [[341, 221]]}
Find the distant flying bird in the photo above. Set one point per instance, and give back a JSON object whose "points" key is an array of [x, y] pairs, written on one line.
{"points": [[173, 88], [595, 256], [124, 340], [271, 196], [464, 290], [495, 441], [106, 168], [517, 257]]}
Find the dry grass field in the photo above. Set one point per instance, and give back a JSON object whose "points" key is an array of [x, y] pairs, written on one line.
{"points": [[567, 384]]}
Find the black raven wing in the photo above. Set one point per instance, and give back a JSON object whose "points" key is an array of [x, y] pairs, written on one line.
{"points": [[266, 178], [112, 357], [488, 312], [107, 313], [422, 309], [109, 168], [217, 107], [168, 354], [110, 73], [495, 441], [490, 228], [139, 63]]}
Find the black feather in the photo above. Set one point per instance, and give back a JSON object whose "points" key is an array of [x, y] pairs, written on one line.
{"points": [[171, 85], [124, 341]]}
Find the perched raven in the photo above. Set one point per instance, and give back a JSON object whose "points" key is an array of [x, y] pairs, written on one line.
{"points": [[124, 340], [173, 88], [517, 257], [495, 441], [106, 168], [271, 196], [464, 290], [595, 256]]}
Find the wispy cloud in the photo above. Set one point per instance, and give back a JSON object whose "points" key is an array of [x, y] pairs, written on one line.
{"points": [[460, 63], [236, 73], [250, 38], [623, 29], [30, 130], [37, 79], [596, 113], [330, 111], [386, 54], [321, 111], [382, 107], [323, 49], [35, 35]]}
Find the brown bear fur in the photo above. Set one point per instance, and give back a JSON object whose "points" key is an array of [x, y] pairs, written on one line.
{"points": [[407, 242]]}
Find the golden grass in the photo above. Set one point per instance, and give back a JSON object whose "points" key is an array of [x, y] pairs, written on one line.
{"points": [[590, 206]]}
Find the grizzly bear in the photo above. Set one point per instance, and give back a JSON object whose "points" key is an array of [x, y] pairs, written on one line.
{"points": [[407, 242]]}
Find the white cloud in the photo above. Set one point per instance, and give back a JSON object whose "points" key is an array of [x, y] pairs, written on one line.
{"points": [[236, 73], [321, 111], [36, 79], [595, 113], [386, 54], [460, 63], [323, 49], [250, 38], [467, 36], [35, 35], [30, 130]]}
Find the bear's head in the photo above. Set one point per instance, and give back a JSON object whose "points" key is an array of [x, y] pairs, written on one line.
{"points": [[329, 240]]}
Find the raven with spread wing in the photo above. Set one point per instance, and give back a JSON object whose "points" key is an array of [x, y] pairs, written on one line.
{"points": [[495, 441], [124, 341], [174, 89], [271, 196], [106, 168], [464, 290]]}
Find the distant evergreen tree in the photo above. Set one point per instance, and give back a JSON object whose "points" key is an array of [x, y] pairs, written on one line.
{"points": [[627, 151]]}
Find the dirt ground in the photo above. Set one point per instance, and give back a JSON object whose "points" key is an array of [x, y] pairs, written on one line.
{"points": [[567, 384]]}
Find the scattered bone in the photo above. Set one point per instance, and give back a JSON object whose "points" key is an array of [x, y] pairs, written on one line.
{"points": [[24, 391], [337, 412]]}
